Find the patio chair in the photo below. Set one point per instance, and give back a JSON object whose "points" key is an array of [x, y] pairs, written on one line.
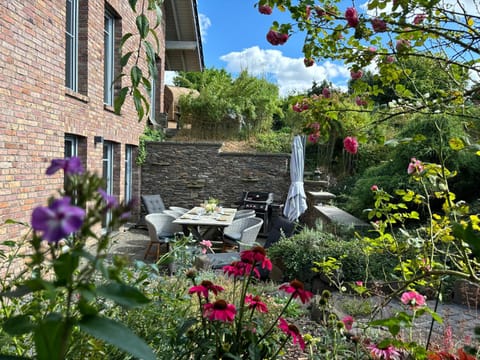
{"points": [[242, 233], [244, 213], [153, 203], [161, 231]]}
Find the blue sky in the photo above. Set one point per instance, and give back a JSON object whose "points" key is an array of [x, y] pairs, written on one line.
{"points": [[233, 37]]}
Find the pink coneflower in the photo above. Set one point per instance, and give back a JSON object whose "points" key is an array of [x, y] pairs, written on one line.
{"points": [[236, 269], [295, 288], [265, 9], [348, 322], [292, 330], [352, 17], [415, 166], [204, 287], [255, 303], [412, 298], [384, 353], [256, 255], [219, 310], [350, 144]]}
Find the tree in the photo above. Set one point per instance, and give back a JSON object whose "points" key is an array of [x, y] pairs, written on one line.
{"points": [[387, 33]]}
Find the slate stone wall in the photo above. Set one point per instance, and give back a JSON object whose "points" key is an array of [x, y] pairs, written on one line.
{"points": [[185, 174]]}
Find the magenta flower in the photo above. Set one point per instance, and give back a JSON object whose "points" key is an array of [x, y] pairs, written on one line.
{"points": [[255, 303], [256, 255], [313, 138], [295, 288], [292, 330], [348, 322], [355, 75], [276, 38], [352, 17], [308, 10], [350, 144], [389, 59], [206, 244], [326, 93], [204, 287], [265, 9], [384, 353], [374, 188], [415, 166], [418, 19], [402, 45], [379, 25], [308, 62], [359, 283], [58, 220], [219, 310], [70, 166], [300, 107], [315, 126], [360, 102], [412, 298]]}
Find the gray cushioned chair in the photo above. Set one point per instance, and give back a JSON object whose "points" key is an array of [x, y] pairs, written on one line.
{"points": [[161, 230], [242, 233], [153, 203]]}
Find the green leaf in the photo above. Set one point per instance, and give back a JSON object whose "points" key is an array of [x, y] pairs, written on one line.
{"points": [[119, 100], [143, 25], [64, 267], [470, 236], [125, 38], [125, 58], [150, 52], [18, 325], [123, 294], [133, 4], [49, 337], [135, 75], [118, 335], [155, 36]]}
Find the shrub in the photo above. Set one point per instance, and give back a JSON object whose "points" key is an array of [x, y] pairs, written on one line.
{"points": [[296, 256]]}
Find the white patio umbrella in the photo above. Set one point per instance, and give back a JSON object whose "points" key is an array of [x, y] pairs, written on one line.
{"points": [[296, 202]]}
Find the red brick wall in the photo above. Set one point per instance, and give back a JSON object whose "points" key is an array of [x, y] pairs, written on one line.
{"points": [[36, 110]]}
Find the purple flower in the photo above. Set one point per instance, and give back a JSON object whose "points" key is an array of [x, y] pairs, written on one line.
{"points": [[110, 200], [70, 166], [58, 220]]}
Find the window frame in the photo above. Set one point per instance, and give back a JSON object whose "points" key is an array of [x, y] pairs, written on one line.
{"points": [[71, 44], [109, 57]]}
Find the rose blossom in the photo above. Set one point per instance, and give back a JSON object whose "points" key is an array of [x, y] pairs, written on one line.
{"points": [[265, 9], [415, 166], [412, 298], [402, 45], [308, 62], [379, 25], [352, 16], [418, 19], [276, 38], [326, 93], [374, 188], [360, 102], [350, 144], [355, 75]]}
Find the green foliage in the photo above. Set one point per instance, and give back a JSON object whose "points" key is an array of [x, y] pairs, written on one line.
{"points": [[274, 142], [226, 107], [297, 255], [149, 134]]}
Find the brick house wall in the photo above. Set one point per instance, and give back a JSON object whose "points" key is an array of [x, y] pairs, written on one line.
{"points": [[37, 111]]}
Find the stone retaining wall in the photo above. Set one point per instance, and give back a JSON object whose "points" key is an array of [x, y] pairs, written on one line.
{"points": [[185, 174]]}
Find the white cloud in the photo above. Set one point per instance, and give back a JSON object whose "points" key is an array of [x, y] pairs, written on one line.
{"points": [[290, 74], [205, 23]]}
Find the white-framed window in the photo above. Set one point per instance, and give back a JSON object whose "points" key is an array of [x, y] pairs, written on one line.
{"points": [[107, 174], [109, 59], [71, 45], [128, 172]]}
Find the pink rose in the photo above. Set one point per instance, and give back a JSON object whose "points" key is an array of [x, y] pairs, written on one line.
{"points": [[355, 75], [374, 188], [265, 9], [412, 298], [315, 126], [418, 19], [415, 166], [308, 10], [308, 62], [360, 102], [352, 17], [313, 138], [326, 93], [379, 25], [320, 11], [402, 45], [390, 59], [276, 38], [350, 144]]}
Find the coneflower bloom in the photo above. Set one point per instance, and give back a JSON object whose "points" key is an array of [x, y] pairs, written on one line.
{"points": [[255, 303], [219, 310], [292, 330], [204, 287], [256, 255], [384, 353], [295, 288]]}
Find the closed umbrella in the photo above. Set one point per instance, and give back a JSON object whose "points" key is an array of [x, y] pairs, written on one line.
{"points": [[296, 203]]}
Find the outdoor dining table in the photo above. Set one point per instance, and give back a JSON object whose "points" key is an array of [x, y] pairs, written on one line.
{"points": [[197, 218]]}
